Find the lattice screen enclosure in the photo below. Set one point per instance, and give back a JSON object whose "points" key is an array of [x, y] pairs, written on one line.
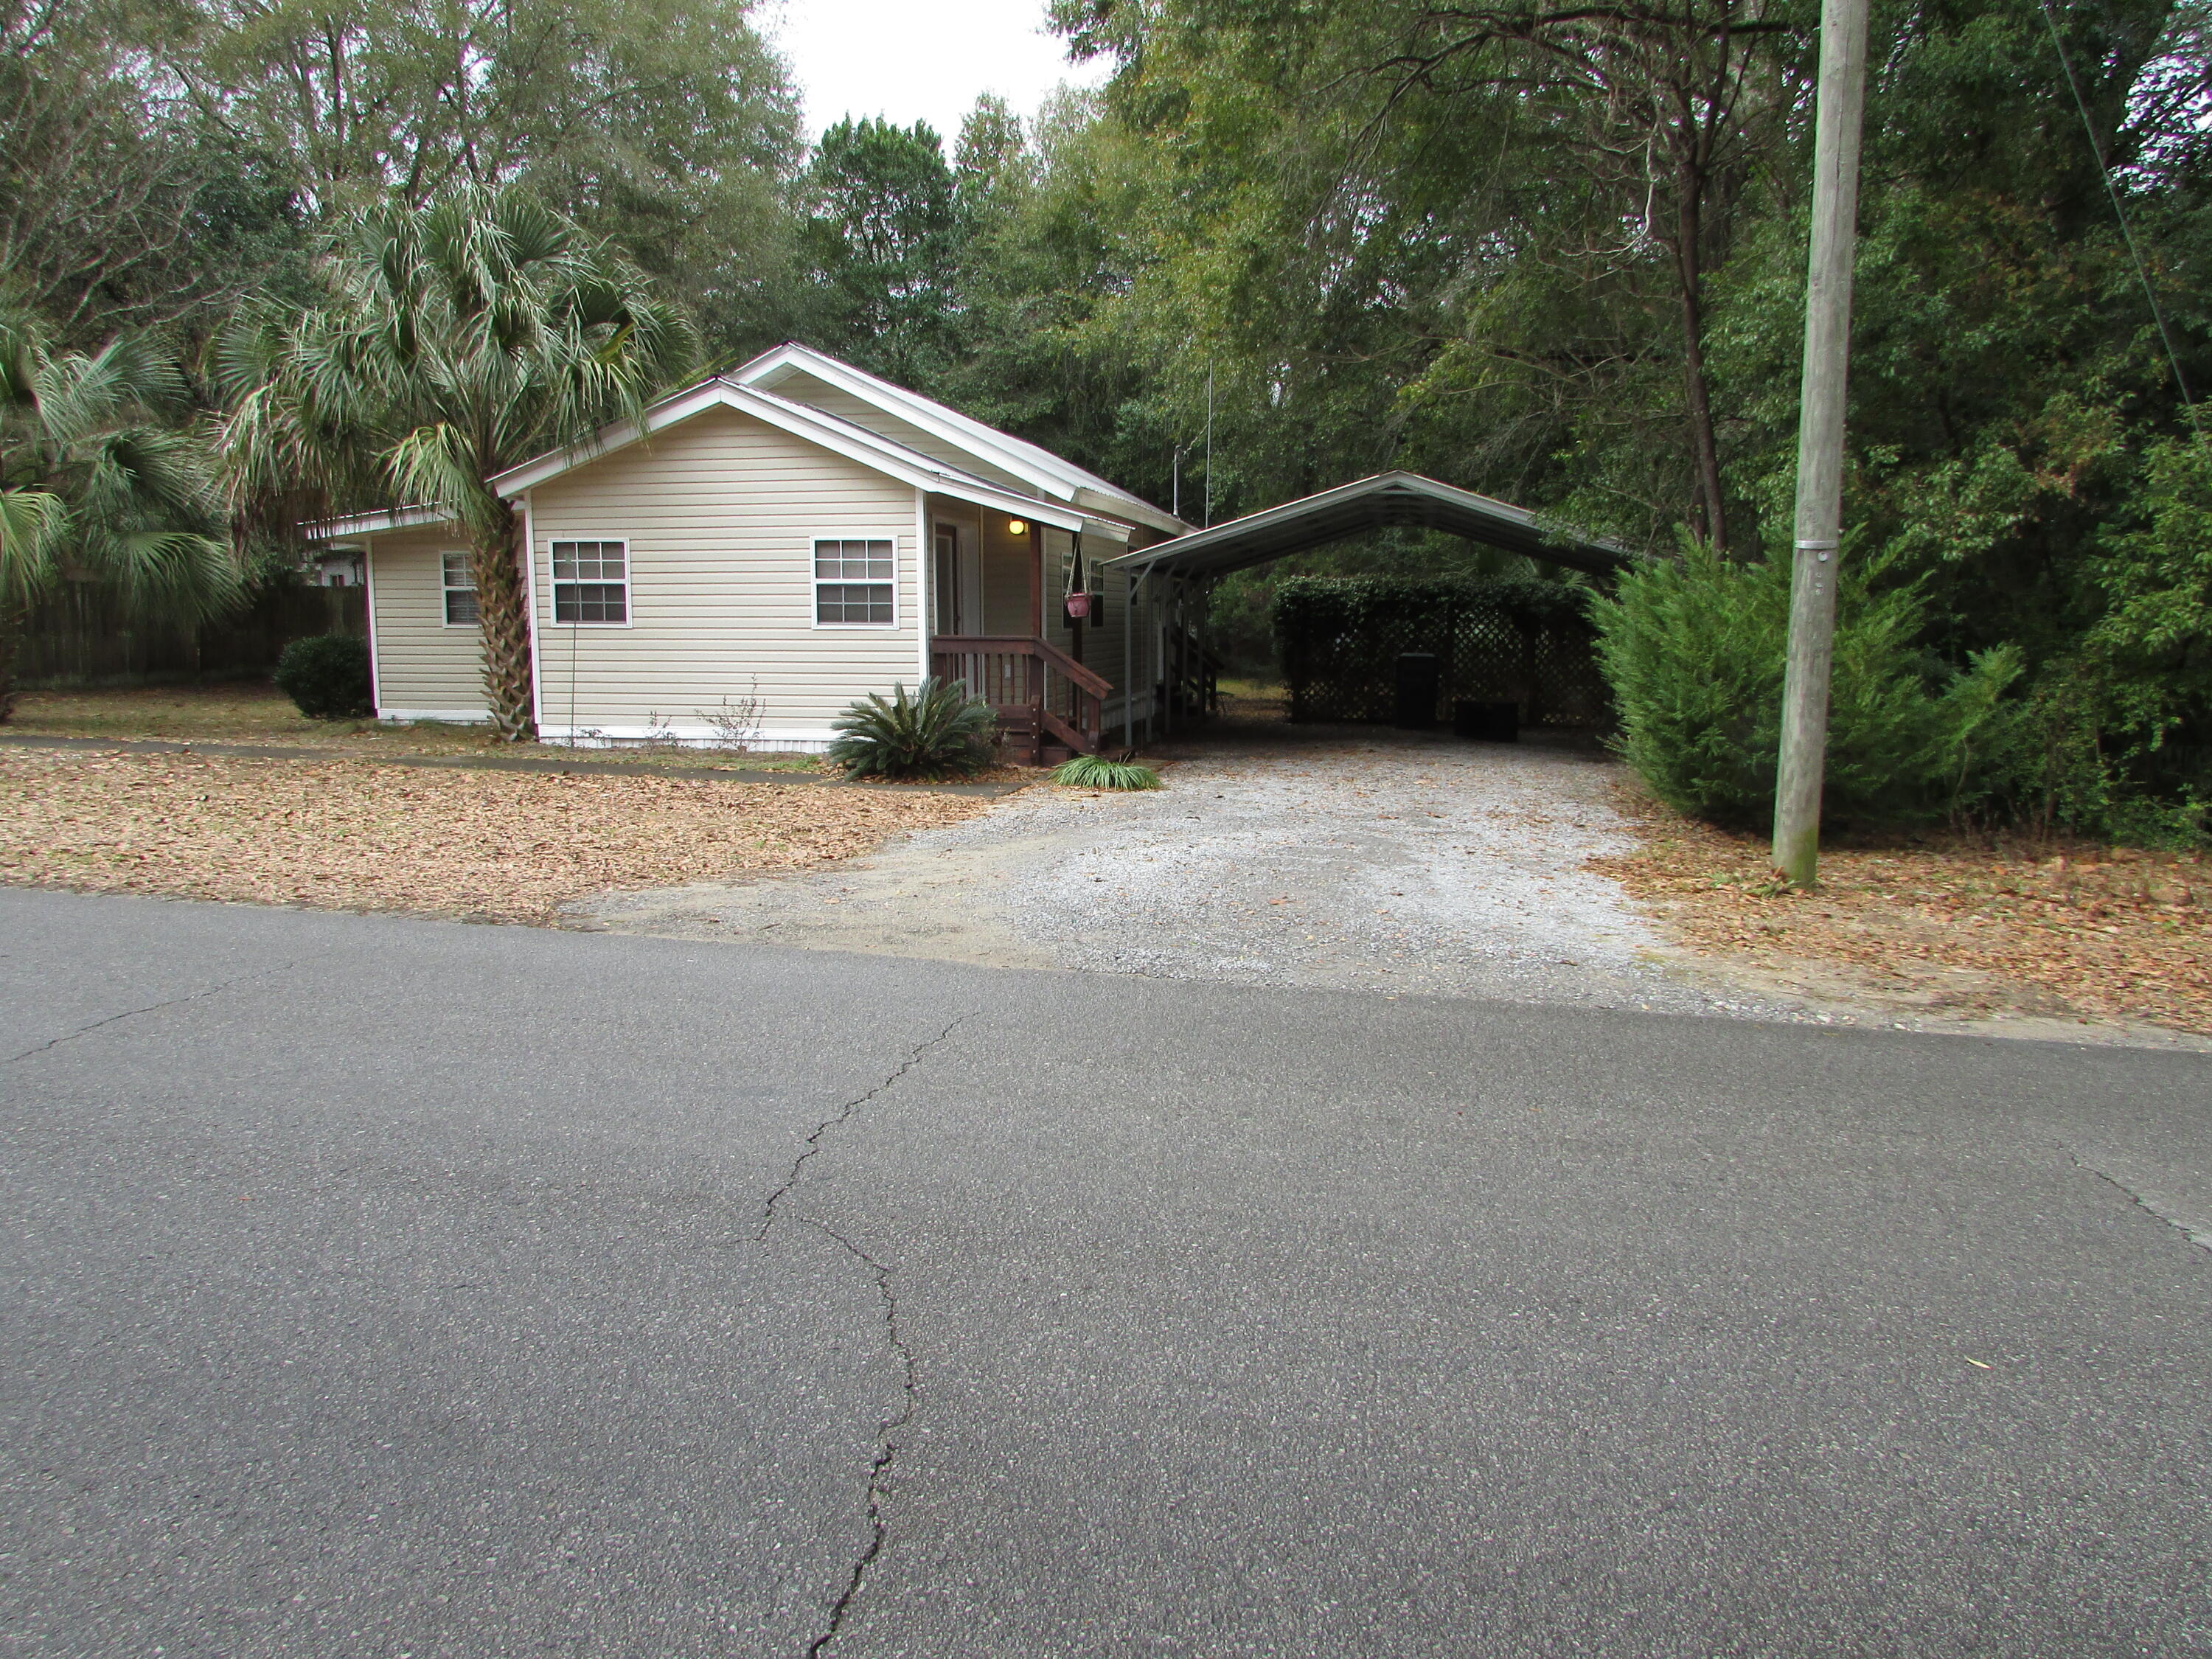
{"points": [[1513, 639]]}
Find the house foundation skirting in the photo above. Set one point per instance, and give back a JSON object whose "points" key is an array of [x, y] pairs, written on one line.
{"points": [[687, 734]]}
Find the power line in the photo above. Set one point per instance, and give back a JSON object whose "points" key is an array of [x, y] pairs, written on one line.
{"points": [[2127, 232]]}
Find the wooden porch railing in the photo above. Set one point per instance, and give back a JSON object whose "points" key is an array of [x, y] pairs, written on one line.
{"points": [[1039, 692]]}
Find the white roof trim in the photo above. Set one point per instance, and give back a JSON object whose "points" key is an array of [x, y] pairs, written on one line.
{"points": [[842, 437], [1035, 465], [375, 524]]}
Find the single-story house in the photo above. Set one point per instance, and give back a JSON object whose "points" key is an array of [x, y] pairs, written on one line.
{"points": [[768, 545]]}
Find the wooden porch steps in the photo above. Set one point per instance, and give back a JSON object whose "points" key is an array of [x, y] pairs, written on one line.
{"points": [[1044, 699]]}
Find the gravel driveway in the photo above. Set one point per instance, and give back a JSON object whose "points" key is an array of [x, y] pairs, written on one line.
{"points": [[1343, 857]]}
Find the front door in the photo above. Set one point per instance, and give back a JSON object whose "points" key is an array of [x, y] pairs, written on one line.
{"points": [[955, 593]]}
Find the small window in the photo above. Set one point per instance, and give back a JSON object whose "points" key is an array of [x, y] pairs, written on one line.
{"points": [[460, 592], [591, 582], [853, 584]]}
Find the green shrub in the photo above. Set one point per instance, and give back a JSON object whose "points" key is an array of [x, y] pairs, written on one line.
{"points": [[1694, 649], [1096, 772], [327, 677], [938, 732]]}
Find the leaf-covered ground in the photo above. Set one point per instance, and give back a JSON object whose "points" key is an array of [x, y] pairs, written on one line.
{"points": [[1957, 925], [348, 834]]}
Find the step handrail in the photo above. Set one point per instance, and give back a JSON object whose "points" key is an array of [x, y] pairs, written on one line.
{"points": [[1028, 645]]}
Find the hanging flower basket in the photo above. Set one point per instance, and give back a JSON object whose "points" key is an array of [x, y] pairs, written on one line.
{"points": [[1078, 606]]}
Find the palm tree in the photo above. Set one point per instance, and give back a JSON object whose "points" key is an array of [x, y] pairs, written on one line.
{"points": [[94, 486], [454, 341]]}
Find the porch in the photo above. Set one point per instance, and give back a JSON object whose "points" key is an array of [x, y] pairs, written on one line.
{"points": [[1031, 618]]}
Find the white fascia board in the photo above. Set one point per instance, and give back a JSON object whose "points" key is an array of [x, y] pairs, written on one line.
{"points": [[814, 426], [1032, 462], [375, 524], [1131, 507], [619, 436]]}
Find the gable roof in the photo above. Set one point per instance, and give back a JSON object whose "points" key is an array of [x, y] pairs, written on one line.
{"points": [[1387, 499], [1036, 466], [1068, 498]]}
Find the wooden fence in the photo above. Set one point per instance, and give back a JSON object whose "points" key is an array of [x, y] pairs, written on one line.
{"points": [[80, 637]]}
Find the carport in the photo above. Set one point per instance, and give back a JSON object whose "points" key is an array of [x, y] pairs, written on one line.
{"points": [[1168, 584]]}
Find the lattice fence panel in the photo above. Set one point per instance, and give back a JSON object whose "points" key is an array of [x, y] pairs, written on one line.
{"points": [[1528, 643]]}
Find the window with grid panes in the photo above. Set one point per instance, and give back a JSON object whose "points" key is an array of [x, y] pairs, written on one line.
{"points": [[591, 582], [852, 583], [460, 592]]}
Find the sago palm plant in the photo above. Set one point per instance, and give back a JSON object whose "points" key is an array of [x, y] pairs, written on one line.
{"points": [[938, 732], [454, 341], [93, 485]]}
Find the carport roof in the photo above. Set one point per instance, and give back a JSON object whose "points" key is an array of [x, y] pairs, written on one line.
{"points": [[1389, 499]]}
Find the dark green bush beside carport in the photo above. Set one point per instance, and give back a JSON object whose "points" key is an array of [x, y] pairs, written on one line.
{"points": [[1693, 647], [1500, 638], [327, 677]]}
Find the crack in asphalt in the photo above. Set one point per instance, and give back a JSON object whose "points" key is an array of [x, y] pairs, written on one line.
{"points": [[150, 1008], [843, 1115], [2190, 1227], [879, 1466], [886, 1448]]}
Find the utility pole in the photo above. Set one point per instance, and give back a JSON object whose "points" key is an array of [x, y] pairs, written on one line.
{"points": [[1208, 524], [1821, 441]]}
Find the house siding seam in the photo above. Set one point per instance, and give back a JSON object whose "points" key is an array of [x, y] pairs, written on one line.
{"points": [[424, 670], [721, 514]]}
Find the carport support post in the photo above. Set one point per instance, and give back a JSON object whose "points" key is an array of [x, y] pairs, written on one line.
{"points": [[1820, 441]]}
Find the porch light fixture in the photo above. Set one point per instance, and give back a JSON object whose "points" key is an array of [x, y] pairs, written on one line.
{"points": [[1015, 527]]}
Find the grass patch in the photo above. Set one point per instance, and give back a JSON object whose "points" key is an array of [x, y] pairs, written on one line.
{"points": [[1097, 772]]}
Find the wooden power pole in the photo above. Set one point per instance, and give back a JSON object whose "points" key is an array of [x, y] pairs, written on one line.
{"points": [[1820, 439]]}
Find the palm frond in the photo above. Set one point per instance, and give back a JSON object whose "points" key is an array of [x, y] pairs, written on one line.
{"points": [[33, 525]]}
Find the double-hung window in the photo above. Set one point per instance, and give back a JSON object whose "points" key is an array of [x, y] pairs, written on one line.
{"points": [[852, 583], [590, 582], [460, 592]]}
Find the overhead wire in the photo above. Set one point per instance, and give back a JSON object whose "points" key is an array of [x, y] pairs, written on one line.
{"points": [[2120, 212]]}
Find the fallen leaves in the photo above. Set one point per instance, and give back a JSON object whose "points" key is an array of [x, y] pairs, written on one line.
{"points": [[356, 835], [1960, 924]]}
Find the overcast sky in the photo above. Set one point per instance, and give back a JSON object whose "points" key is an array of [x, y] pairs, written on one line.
{"points": [[919, 60]]}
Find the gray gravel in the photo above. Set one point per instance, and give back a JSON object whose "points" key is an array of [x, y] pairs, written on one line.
{"points": [[1348, 858]]}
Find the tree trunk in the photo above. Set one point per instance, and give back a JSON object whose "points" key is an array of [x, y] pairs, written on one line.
{"points": [[503, 626], [1704, 451], [11, 635]]}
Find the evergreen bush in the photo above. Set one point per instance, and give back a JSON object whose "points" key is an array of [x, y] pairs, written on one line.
{"points": [[939, 732], [1694, 650], [327, 677]]}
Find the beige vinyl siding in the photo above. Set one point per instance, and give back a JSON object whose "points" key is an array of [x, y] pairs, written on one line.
{"points": [[833, 400], [424, 670], [721, 514]]}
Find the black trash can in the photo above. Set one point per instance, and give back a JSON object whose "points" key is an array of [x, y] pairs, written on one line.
{"points": [[1489, 722], [1421, 679]]}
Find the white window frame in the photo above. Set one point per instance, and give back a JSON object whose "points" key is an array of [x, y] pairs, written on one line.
{"points": [[553, 585], [446, 590], [815, 582]]}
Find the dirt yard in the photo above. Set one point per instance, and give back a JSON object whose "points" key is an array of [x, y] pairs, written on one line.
{"points": [[348, 834], [1949, 926]]}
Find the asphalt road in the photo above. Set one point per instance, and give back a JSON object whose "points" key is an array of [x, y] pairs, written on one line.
{"points": [[376, 1288]]}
